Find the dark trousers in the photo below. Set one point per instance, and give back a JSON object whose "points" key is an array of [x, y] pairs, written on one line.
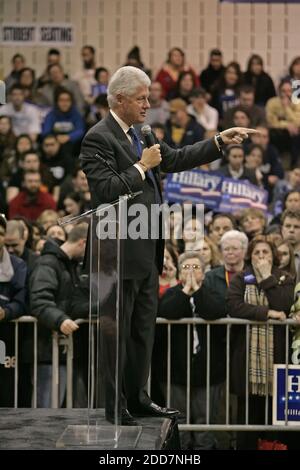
{"points": [[136, 343]]}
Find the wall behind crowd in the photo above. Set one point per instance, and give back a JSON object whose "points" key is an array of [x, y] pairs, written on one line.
{"points": [[114, 26]]}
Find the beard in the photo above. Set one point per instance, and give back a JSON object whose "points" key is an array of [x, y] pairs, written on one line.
{"points": [[89, 64], [32, 195]]}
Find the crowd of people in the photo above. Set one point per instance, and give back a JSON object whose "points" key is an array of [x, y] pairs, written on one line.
{"points": [[246, 265]]}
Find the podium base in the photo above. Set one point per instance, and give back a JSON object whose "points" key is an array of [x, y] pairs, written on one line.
{"points": [[100, 437]]}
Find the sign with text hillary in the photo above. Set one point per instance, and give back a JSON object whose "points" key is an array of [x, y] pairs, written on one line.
{"points": [[291, 397], [217, 192]]}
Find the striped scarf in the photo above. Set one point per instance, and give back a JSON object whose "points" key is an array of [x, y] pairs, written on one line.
{"points": [[260, 338]]}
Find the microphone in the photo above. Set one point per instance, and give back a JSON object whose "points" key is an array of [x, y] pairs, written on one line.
{"points": [[108, 165], [148, 136]]}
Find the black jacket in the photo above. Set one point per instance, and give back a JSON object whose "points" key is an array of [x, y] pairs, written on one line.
{"points": [[209, 77], [175, 305], [108, 139], [215, 280], [280, 295], [51, 283], [263, 84]]}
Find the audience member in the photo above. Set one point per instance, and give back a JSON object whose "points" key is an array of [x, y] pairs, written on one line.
{"points": [[31, 201], [259, 79], [169, 73], [159, 111], [25, 117], [213, 72], [206, 115]]}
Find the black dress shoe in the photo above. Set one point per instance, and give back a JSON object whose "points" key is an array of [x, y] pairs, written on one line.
{"points": [[152, 409], [125, 419]]}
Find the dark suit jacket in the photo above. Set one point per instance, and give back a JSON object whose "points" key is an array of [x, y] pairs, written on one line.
{"points": [[109, 140]]}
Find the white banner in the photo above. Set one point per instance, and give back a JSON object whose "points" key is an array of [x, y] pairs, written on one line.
{"points": [[37, 34]]}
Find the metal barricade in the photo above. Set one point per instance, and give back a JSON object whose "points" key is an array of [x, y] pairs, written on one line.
{"points": [[59, 340]]}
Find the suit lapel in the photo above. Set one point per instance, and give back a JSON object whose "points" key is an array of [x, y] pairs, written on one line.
{"points": [[118, 132], [121, 137]]}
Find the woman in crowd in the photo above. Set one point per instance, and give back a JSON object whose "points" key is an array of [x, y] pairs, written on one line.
{"points": [[57, 232], [210, 253], [235, 167], [252, 222], [191, 298], [28, 82], [286, 257], [254, 161], [294, 69], [23, 144], [261, 292], [225, 91], [186, 83], [169, 73], [73, 204], [168, 277], [259, 79], [188, 235]]}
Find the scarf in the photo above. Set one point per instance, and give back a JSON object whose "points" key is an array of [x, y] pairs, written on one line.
{"points": [[6, 268], [260, 336]]}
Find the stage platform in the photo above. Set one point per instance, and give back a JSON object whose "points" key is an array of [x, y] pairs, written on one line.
{"points": [[40, 428]]}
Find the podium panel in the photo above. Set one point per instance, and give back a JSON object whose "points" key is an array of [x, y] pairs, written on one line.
{"points": [[106, 336]]}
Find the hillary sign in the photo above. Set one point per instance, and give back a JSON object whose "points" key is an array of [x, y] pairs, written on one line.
{"points": [[217, 192], [286, 400]]}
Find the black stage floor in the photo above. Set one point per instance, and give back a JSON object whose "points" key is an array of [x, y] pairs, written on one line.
{"points": [[40, 428]]}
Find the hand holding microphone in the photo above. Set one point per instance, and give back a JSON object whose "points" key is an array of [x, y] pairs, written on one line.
{"points": [[151, 156]]}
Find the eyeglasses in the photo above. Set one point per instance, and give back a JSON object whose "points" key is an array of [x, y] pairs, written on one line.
{"points": [[191, 266], [231, 248]]}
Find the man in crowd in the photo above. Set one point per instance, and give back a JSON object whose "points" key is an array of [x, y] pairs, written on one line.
{"points": [[51, 284]]}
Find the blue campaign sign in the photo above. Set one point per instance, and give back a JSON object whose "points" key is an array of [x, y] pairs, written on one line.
{"points": [[292, 396], [217, 192]]}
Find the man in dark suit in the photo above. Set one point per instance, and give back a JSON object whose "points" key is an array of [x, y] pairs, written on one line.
{"points": [[116, 140]]}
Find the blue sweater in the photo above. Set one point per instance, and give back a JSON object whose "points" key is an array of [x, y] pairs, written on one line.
{"points": [[70, 123]]}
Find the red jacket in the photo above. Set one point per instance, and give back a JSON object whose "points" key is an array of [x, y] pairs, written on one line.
{"points": [[21, 205]]}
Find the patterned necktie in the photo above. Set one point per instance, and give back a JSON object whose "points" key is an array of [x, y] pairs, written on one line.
{"points": [[139, 150], [135, 141]]}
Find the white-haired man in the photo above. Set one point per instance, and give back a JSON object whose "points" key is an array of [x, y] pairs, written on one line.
{"points": [[234, 246], [116, 139]]}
